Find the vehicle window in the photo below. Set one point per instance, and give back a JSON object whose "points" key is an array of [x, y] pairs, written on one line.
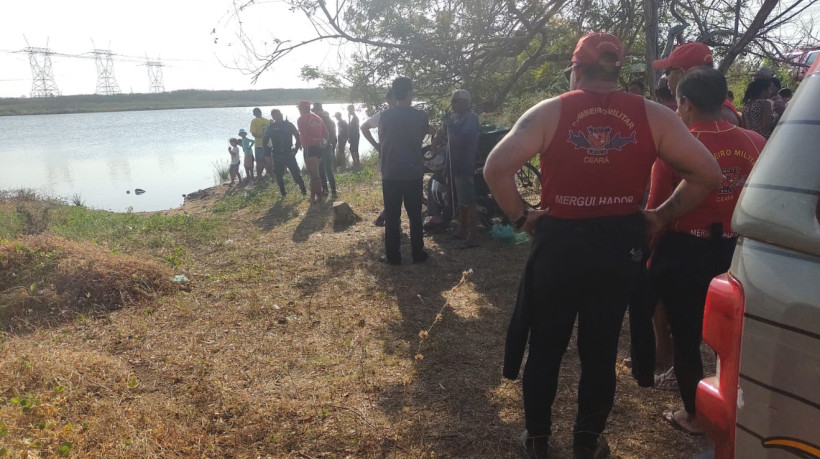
{"points": [[811, 57]]}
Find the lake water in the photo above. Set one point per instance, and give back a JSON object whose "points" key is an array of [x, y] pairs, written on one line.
{"points": [[100, 156]]}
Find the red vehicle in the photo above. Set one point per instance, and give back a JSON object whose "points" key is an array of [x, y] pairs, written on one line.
{"points": [[803, 60]]}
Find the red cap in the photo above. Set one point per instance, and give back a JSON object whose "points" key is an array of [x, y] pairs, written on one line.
{"points": [[685, 57], [590, 47]]}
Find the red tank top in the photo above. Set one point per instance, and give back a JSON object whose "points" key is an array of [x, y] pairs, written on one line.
{"points": [[600, 157]]}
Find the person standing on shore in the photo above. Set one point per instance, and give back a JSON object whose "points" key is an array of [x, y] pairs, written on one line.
{"points": [[258, 126], [462, 135], [247, 148], [326, 170], [313, 137], [401, 131], [281, 134], [342, 127], [233, 169], [596, 145], [353, 134], [699, 246], [373, 123]]}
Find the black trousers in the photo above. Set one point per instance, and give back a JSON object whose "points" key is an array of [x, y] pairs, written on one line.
{"points": [[395, 192], [682, 268], [585, 269], [642, 333], [326, 168], [283, 161]]}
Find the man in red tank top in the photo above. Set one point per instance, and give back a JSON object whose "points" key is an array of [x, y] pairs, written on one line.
{"points": [[596, 146], [698, 246], [689, 56]]}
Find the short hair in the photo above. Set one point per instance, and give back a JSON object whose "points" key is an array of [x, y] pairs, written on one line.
{"points": [[257, 111], [638, 83], [663, 93], [705, 88], [776, 82], [318, 104], [233, 139], [402, 87], [785, 92], [275, 111], [730, 95], [608, 70]]}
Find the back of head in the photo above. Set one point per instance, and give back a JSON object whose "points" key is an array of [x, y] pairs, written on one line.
{"points": [[257, 111], [664, 94], [785, 93], [756, 89], [275, 113], [598, 55], [704, 88], [776, 83], [304, 106], [401, 87]]}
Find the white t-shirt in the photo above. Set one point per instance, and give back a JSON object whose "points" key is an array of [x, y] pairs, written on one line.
{"points": [[372, 122], [234, 155]]}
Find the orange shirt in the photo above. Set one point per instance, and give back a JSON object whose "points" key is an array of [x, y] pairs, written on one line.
{"points": [[312, 130], [736, 151]]}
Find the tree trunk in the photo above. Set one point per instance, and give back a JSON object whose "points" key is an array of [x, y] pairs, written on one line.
{"points": [[738, 46], [650, 13]]}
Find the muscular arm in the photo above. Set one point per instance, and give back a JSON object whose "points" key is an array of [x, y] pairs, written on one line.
{"points": [[366, 127], [699, 172], [530, 135]]}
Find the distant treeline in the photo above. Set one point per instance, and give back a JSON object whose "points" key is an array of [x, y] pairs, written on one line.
{"points": [[189, 98]]}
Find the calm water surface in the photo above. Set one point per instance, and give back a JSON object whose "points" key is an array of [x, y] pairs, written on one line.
{"points": [[100, 156]]}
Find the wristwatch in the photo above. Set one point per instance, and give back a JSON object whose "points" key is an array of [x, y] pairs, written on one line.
{"points": [[519, 223]]}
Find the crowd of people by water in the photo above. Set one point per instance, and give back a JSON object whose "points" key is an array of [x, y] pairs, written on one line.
{"points": [[275, 142], [636, 205]]}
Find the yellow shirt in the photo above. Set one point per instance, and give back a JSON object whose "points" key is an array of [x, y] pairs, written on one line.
{"points": [[258, 126]]}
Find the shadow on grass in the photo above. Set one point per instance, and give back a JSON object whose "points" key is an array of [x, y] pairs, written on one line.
{"points": [[281, 212], [451, 404], [313, 221]]}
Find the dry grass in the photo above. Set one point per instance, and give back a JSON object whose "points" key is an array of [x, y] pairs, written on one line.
{"points": [[294, 341], [43, 279]]}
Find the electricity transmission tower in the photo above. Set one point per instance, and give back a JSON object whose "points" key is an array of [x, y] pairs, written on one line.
{"points": [[43, 84], [155, 76], [106, 83]]}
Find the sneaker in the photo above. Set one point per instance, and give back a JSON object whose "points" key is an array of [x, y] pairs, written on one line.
{"points": [[535, 447], [601, 450]]}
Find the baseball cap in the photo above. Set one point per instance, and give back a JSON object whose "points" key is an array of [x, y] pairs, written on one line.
{"points": [[685, 57], [242, 131], [462, 94], [763, 73], [591, 46]]}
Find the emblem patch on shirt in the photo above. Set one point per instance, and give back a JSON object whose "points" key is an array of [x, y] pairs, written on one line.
{"points": [[731, 180], [599, 141]]}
